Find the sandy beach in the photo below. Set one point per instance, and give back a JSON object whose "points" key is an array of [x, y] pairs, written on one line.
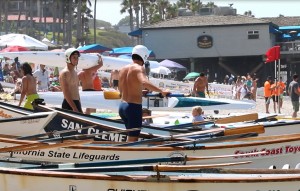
{"points": [[260, 106]]}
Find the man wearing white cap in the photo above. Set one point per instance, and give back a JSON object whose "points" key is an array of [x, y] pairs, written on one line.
{"points": [[132, 81]]}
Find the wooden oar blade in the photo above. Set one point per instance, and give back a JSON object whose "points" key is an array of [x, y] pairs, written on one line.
{"points": [[194, 167], [239, 118], [246, 129], [111, 95], [156, 168]]}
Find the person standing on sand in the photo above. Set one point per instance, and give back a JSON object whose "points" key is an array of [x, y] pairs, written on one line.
{"points": [[281, 87], [114, 79], [201, 83], [267, 93], [294, 94], [69, 82], [42, 77], [254, 87], [86, 78], [28, 88], [132, 82]]}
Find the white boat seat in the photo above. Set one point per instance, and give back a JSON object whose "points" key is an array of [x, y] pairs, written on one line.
{"points": [[297, 166], [286, 166], [272, 167]]}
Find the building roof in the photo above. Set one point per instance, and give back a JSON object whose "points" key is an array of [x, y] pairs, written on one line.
{"points": [[207, 20], [36, 19], [284, 21]]}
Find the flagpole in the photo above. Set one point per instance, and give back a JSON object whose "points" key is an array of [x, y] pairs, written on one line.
{"points": [[279, 71], [275, 81]]}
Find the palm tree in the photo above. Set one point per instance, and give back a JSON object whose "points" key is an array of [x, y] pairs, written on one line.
{"points": [[95, 9], [6, 16], [79, 23], [194, 6], [136, 8], [144, 11], [162, 6], [248, 13], [210, 5], [31, 31], [172, 11], [127, 7], [182, 3], [19, 16], [1, 17], [70, 23], [54, 18], [60, 16]]}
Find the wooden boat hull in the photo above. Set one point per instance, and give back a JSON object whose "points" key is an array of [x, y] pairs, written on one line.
{"points": [[25, 125], [68, 120], [24, 180], [65, 120], [279, 150]]}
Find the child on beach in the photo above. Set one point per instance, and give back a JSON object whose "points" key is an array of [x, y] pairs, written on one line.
{"points": [[197, 114]]}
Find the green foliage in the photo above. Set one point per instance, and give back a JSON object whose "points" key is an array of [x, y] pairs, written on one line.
{"points": [[110, 38], [99, 23]]}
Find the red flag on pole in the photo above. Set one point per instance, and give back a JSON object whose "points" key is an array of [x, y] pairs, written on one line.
{"points": [[277, 52], [273, 54], [270, 55]]}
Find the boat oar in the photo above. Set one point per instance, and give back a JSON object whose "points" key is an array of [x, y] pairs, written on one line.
{"points": [[231, 119], [170, 137], [139, 161], [116, 95], [39, 144], [156, 168], [267, 118], [227, 131], [144, 117], [209, 140], [238, 118]]}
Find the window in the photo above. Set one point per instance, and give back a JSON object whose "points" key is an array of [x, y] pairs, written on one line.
{"points": [[253, 34]]}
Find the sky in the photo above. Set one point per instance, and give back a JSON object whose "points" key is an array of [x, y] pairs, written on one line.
{"points": [[109, 10]]}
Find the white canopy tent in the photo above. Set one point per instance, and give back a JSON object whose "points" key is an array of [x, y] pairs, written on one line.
{"points": [[161, 70], [22, 40]]}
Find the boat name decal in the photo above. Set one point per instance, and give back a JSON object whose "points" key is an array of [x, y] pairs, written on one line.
{"points": [[288, 149], [30, 121], [122, 189], [71, 125], [116, 137], [66, 155], [4, 115]]}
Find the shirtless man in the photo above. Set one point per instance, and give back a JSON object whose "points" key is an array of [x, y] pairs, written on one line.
{"points": [[132, 80], [69, 82], [114, 79], [86, 76], [199, 86], [28, 86]]}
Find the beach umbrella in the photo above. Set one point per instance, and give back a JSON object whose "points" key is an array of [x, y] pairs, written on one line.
{"points": [[93, 48], [161, 70], [126, 50], [22, 40], [14, 49], [171, 64], [191, 75]]}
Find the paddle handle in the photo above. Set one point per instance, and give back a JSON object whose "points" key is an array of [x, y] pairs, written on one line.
{"points": [[116, 95], [168, 95]]}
